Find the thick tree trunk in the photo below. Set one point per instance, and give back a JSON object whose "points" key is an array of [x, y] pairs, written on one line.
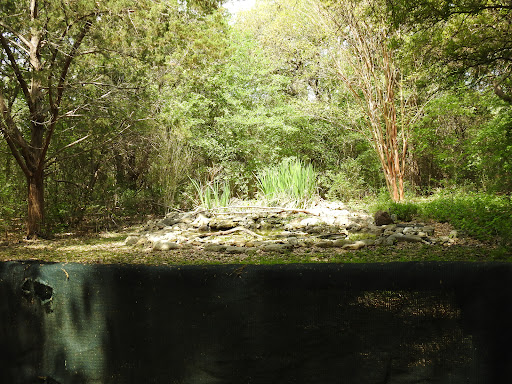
{"points": [[35, 218]]}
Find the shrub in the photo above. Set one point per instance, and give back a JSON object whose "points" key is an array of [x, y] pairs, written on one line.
{"points": [[404, 211], [347, 183], [482, 216]]}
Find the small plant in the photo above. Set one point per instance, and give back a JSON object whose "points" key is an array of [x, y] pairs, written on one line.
{"points": [[214, 194], [290, 183]]}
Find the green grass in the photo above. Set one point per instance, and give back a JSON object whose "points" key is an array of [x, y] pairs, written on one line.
{"points": [[482, 216], [214, 194], [290, 183]]}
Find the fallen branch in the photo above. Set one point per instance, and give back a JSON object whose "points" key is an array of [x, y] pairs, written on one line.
{"points": [[278, 209], [232, 230]]}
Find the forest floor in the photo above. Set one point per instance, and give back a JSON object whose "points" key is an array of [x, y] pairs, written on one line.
{"points": [[110, 248]]}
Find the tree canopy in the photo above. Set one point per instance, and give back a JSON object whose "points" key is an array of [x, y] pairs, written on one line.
{"points": [[118, 107]]}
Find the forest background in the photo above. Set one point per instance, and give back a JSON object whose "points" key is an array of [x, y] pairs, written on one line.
{"points": [[115, 110]]}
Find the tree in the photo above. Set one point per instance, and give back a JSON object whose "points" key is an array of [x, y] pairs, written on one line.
{"points": [[77, 73], [363, 54], [41, 42], [468, 40]]}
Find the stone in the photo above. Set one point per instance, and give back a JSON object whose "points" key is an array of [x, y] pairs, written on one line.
{"points": [[311, 221], [293, 241], [382, 218], [340, 243], [355, 246], [391, 240], [375, 230], [429, 230], [409, 231], [215, 248], [235, 250], [164, 245], [411, 239], [168, 222], [275, 247], [200, 221], [222, 224], [325, 244], [131, 240]]}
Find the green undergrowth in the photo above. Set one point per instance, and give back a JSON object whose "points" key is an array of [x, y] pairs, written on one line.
{"points": [[482, 216]]}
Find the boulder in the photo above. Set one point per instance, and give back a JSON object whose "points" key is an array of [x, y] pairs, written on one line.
{"points": [[131, 240], [382, 218], [164, 245], [355, 246]]}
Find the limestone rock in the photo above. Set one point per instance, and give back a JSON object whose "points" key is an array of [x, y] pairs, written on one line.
{"points": [[132, 240], [355, 246], [215, 248], [164, 245], [235, 249], [222, 224], [325, 244], [275, 247]]}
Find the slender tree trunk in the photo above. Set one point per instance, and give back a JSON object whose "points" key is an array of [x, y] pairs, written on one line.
{"points": [[35, 218]]}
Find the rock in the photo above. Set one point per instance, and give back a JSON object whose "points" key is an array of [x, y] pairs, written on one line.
{"points": [[382, 218], [275, 247], [235, 250], [293, 241], [200, 221], [132, 240], [411, 238], [380, 241], [342, 221], [428, 230], [374, 230], [222, 224], [409, 231], [325, 244], [355, 246], [168, 222], [314, 229], [311, 221], [215, 248], [164, 245], [340, 243]]}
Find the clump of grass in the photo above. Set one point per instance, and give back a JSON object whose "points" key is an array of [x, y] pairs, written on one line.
{"points": [[214, 194], [404, 211], [292, 182]]}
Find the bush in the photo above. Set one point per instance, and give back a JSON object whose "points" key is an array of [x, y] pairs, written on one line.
{"points": [[346, 184], [404, 211], [290, 183], [482, 216]]}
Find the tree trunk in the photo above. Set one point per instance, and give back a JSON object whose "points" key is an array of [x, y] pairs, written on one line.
{"points": [[35, 218]]}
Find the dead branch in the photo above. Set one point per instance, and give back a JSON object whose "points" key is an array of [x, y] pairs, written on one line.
{"points": [[278, 209], [229, 231]]}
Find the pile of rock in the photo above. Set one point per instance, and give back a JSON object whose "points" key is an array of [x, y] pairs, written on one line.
{"points": [[251, 229]]}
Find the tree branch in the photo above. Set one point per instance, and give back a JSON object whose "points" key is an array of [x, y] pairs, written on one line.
{"points": [[60, 90], [17, 71], [13, 137]]}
